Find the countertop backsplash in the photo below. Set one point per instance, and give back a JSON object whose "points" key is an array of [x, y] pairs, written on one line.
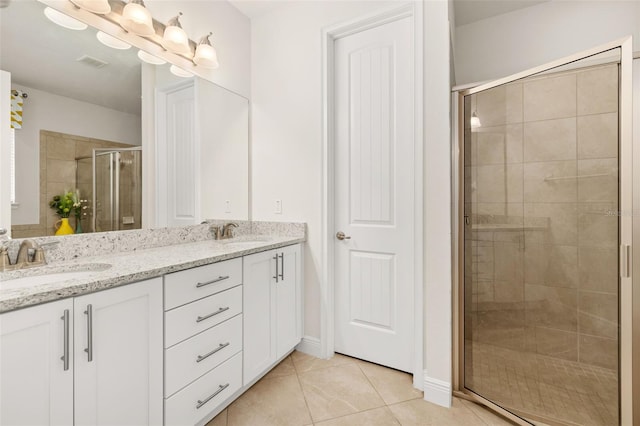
{"points": [[69, 247]]}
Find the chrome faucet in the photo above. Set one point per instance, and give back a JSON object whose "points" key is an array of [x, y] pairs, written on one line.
{"points": [[30, 254], [227, 230], [223, 232]]}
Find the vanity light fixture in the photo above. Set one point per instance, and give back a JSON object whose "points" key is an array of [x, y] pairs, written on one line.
{"points": [[100, 7], [179, 72], [475, 121], [149, 58], [206, 56], [136, 18], [111, 41], [175, 39], [64, 20]]}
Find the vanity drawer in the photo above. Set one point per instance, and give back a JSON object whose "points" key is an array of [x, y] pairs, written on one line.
{"points": [[192, 284], [185, 321], [206, 393], [192, 358]]}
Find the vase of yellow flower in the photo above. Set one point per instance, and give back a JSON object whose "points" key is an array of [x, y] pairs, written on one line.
{"points": [[63, 227], [63, 204]]}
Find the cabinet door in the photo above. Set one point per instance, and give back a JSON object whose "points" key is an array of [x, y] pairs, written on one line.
{"points": [[118, 355], [259, 313], [35, 388], [288, 299]]}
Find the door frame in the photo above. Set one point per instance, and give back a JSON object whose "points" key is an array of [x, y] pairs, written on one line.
{"points": [[629, 229], [5, 163], [327, 310]]}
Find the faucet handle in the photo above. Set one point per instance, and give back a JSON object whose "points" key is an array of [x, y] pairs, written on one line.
{"points": [[5, 262], [38, 256], [216, 231]]}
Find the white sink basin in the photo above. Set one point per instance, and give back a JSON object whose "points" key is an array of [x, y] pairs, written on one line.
{"points": [[47, 275]]}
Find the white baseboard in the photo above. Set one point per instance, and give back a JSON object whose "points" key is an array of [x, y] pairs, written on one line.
{"points": [[437, 391], [311, 346]]}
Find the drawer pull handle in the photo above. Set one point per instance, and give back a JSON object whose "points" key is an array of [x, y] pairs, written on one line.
{"points": [[217, 280], [218, 349], [213, 395], [219, 311]]}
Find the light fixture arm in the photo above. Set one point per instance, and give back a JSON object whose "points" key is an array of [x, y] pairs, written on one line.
{"points": [[205, 39], [175, 21]]}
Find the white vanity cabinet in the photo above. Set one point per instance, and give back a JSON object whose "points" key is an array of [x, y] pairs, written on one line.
{"points": [[118, 355], [36, 385], [97, 358], [203, 340], [272, 308]]}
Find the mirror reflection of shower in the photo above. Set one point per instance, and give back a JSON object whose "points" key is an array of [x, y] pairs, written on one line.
{"points": [[111, 179]]}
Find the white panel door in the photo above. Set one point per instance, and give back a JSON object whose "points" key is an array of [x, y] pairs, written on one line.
{"points": [[178, 188], [374, 203], [118, 356], [36, 385]]}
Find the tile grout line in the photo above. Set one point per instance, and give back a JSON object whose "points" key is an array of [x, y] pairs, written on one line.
{"points": [[376, 391], [306, 403]]}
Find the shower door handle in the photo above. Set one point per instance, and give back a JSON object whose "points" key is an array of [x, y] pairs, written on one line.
{"points": [[625, 261]]}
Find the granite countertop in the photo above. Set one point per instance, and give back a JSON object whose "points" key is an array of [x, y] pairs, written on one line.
{"points": [[126, 267]]}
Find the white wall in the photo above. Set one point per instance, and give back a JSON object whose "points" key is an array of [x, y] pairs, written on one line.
{"points": [[231, 36], [519, 40], [287, 150], [46, 111], [437, 203], [286, 115], [223, 129]]}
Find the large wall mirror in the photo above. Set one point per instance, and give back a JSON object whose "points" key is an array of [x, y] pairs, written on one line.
{"points": [[98, 120]]}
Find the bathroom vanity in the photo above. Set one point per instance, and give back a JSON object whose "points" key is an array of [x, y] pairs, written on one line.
{"points": [[164, 335]]}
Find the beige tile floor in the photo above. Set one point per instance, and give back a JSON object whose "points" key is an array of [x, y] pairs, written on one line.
{"points": [[303, 390]]}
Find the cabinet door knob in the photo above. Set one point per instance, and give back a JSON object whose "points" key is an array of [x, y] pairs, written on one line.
{"points": [[341, 236]]}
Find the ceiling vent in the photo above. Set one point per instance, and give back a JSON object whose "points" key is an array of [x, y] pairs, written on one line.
{"points": [[91, 61]]}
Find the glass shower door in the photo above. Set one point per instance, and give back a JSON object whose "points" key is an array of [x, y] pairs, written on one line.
{"points": [[117, 195], [542, 227]]}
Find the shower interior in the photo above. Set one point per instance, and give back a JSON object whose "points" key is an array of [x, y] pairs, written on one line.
{"points": [[111, 180], [541, 235]]}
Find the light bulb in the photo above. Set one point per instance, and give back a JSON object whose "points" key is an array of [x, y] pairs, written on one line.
{"points": [[206, 56], [175, 39], [179, 72], [137, 19], [109, 40], [475, 121], [150, 59], [64, 20]]}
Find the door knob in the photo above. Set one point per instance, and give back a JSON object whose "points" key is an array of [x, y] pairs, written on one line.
{"points": [[340, 235]]}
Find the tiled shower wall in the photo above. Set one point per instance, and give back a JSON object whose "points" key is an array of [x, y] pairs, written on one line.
{"points": [[548, 285], [58, 153]]}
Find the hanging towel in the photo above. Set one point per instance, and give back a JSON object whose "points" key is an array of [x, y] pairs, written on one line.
{"points": [[17, 100]]}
